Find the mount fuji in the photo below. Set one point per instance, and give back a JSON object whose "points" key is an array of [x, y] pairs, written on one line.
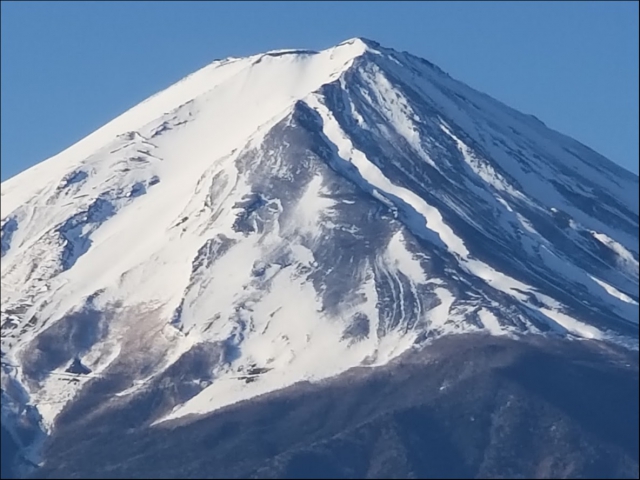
{"points": [[289, 217]]}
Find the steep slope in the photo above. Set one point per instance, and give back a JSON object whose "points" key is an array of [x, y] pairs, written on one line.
{"points": [[290, 215]]}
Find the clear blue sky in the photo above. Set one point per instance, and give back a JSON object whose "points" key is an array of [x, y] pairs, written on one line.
{"points": [[68, 68]]}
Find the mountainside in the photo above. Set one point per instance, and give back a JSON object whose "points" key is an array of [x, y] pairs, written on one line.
{"points": [[468, 406], [291, 215]]}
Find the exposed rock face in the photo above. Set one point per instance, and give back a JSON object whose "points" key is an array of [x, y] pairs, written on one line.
{"points": [[468, 406]]}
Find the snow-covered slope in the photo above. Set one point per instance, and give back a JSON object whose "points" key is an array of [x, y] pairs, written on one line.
{"points": [[290, 215]]}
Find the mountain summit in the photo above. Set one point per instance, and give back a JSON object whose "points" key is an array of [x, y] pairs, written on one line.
{"points": [[288, 216]]}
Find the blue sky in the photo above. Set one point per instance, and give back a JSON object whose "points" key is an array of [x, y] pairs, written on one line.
{"points": [[70, 67]]}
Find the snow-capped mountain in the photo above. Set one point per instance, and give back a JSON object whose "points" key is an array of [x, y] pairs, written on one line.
{"points": [[293, 214]]}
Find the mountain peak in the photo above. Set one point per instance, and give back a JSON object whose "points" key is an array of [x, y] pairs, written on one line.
{"points": [[353, 47], [358, 46], [360, 42], [291, 215]]}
